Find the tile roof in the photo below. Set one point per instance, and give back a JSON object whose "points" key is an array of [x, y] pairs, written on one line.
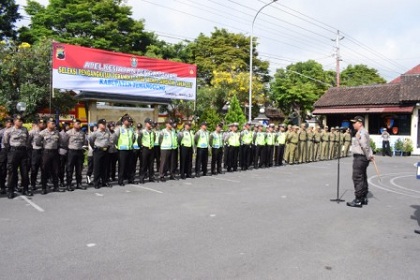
{"points": [[410, 88], [414, 70]]}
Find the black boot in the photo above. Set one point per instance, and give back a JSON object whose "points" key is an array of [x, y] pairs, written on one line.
{"points": [[69, 188], [3, 191], [355, 203], [80, 186], [44, 190]]}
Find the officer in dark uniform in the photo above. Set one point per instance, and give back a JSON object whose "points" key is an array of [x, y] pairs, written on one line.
{"points": [[112, 153], [3, 156], [36, 153], [99, 142], [75, 158], [146, 142], [50, 140], [15, 141], [63, 152]]}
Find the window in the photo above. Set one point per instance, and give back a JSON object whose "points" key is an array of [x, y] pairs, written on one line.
{"points": [[396, 124]]}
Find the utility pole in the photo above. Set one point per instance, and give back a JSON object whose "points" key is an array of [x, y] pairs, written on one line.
{"points": [[337, 56]]}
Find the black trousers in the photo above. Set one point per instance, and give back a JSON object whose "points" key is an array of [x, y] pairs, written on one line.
{"points": [[100, 167], [216, 160], [245, 156], [62, 168], [360, 165], [174, 160], [386, 148], [279, 153], [89, 171], [3, 169], [252, 155], [269, 155], [124, 168], [259, 159], [17, 159], [233, 158], [112, 168], [135, 157], [146, 163], [36, 162], [50, 167], [165, 162], [185, 162], [156, 157], [201, 161], [75, 162]]}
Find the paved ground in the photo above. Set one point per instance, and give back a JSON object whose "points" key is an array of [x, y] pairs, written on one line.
{"points": [[273, 223]]}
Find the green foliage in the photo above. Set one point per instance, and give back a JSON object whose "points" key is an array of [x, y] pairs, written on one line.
{"points": [[211, 117], [8, 16], [360, 75], [407, 145], [292, 92], [373, 146], [103, 24], [398, 145], [235, 113]]}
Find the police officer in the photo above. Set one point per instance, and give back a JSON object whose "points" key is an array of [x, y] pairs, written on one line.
{"points": [[89, 172], [36, 153], [287, 147], [310, 144], [146, 142], [166, 138], [260, 143], [317, 143], [362, 155], [112, 153], [136, 155], [216, 144], [100, 142], [50, 139], [3, 156], [281, 143], [302, 149], [347, 142], [175, 150], [292, 140], [325, 139], [186, 142], [246, 142], [201, 140], [270, 146], [75, 157], [332, 143], [156, 149], [15, 140], [124, 138], [63, 153], [233, 143]]}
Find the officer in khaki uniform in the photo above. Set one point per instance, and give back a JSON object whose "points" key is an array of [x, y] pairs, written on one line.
{"points": [[216, 144], [186, 143], [310, 144], [317, 143], [50, 139], [16, 141], [146, 142], [286, 150], [8, 122], [346, 142], [292, 140], [303, 137], [332, 143], [325, 140], [75, 158]]}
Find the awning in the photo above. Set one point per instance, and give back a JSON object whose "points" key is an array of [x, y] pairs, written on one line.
{"points": [[364, 110]]}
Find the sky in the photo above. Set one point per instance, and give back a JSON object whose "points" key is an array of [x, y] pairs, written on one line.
{"points": [[383, 34]]}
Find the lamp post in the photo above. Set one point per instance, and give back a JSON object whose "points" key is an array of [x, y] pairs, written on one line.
{"points": [[250, 60]]}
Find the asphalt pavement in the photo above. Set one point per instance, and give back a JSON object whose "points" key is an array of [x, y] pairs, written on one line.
{"points": [[276, 223]]}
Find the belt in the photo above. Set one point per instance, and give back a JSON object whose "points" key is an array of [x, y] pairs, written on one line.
{"points": [[102, 149], [76, 150], [18, 148], [358, 155], [50, 150]]}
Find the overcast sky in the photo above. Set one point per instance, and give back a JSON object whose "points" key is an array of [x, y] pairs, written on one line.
{"points": [[383, 34]]}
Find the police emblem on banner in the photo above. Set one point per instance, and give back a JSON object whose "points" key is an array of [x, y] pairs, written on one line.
{"points": [[60, 53], [134, 62]]}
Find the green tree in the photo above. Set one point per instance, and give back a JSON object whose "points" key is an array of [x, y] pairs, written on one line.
{"points": [[212, 118], [25, 76], [235, 113], [9, 15], [360, 75], [103, 24], [296, 88]]}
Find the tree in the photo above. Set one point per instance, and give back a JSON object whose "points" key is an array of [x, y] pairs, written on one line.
{"points": [[296, 88], [212, 118], [235, 113], [103, 24], [360, 75], [9, 15], [25, 76]]}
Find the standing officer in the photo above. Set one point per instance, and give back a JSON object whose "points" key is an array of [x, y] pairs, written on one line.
{"points": [[253, 147], [186, 142], [201, 140], [362, 155], [136, 155], [281, 143], [332, 142], [302, 149], [112, 153], [156, 150], [317, 143], [3, 156], [292, 140], [216, 144], [166, 137], [89, 172], [325, 139], [246, 142], [260, 142], [346, 142], [233, 142], [15, 140], [386, 148], [50, 139], [146, 142], [270, 146], [99, 142], [286, 150], [175, 152], [75, 158], [124, 138], [36, 154], [310, 144], [63, 153]]}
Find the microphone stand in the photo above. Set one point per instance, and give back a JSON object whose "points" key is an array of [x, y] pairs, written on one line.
{"points": [[337, 199]]}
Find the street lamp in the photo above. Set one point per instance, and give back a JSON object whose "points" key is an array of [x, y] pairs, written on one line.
{"points": [[250, 60]]}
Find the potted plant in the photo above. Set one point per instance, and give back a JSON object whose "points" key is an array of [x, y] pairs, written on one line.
{"points": [[373, 146], [398, 146], [407, 147]]}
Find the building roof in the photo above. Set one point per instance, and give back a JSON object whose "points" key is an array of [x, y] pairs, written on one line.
{"points": [[410, 88], [414, 70]]}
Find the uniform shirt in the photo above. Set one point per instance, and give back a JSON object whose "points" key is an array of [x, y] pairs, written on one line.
{"points": [[186, 133], [100, 139], [49, 140], [216, 140], [303, 135], [64, 143], [34, 138], [112, 149], [15, 137], [1, 137], [385, 136], [117, 134], [201, 139], [292, 137], [361, 145], [76, 139]]}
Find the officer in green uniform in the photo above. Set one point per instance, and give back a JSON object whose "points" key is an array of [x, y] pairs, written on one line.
{"points": [[186, 142], [292, 140], [246, 142], [201, 140], [146, 142], [175, 152], [303, 137], [166, 137], [233, 142], [270, 146], [253, 146], [260, 140], [124, 136], [216, 144]]}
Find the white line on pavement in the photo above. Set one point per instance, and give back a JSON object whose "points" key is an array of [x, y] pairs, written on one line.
{"points": [[32, 204], [149, 189], [99, 194], [233, 181]]}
